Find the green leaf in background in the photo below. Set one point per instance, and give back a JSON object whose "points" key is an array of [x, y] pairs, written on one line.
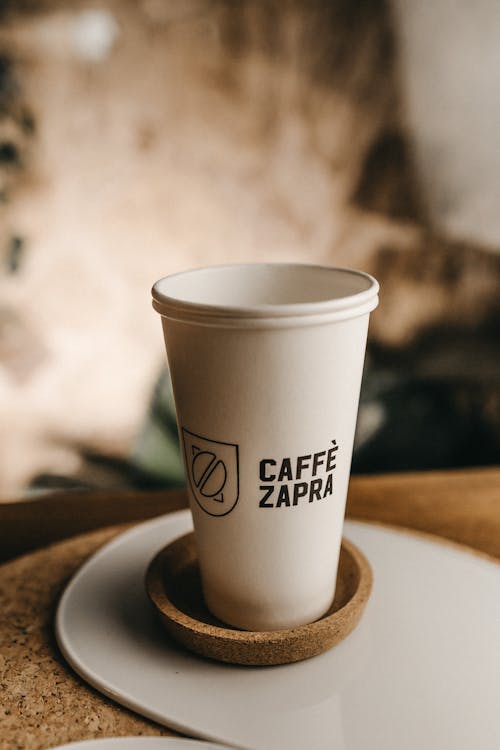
{"points": [[157, 451]]}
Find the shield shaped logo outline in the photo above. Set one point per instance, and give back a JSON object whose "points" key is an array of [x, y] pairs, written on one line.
{"points": [[212, 468]]}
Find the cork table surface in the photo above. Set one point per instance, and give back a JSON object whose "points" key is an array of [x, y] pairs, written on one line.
{"points": [[44, 704]]}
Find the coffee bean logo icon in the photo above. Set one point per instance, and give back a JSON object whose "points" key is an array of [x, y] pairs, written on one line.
{"points": [[209, 474], [212, 468]]}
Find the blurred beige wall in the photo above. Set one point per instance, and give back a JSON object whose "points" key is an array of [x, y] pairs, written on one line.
{"points": [[142, 137], [166, 135]]}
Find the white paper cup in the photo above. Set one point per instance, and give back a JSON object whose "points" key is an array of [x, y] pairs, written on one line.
{"points": [[266, 363]]}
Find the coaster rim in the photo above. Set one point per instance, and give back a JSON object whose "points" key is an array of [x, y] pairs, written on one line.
{"points": [[248, 647]]}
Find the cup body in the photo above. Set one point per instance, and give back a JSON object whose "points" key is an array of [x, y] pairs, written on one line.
{"points": [[266, 392]]}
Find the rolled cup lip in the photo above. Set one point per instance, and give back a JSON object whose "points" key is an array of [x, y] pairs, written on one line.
{"points": [[266, 314]]}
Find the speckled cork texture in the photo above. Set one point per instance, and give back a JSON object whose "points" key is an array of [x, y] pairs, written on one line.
{"points": [[174, 587], [43, 703]]}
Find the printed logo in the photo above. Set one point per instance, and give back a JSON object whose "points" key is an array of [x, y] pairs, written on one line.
{"points": [[213, 473], [292, 481]]}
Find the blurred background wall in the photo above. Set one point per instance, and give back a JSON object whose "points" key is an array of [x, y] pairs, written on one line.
{"points": [[139, 138]]}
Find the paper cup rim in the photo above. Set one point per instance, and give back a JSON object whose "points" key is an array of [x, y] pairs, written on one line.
{"points": [[269, 314]]}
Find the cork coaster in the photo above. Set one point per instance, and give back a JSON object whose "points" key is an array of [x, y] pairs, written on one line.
{"points": [[173, 584]]}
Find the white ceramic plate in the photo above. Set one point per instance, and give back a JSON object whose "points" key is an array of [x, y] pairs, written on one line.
{"points": [[422, 670], [140, 743]]}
